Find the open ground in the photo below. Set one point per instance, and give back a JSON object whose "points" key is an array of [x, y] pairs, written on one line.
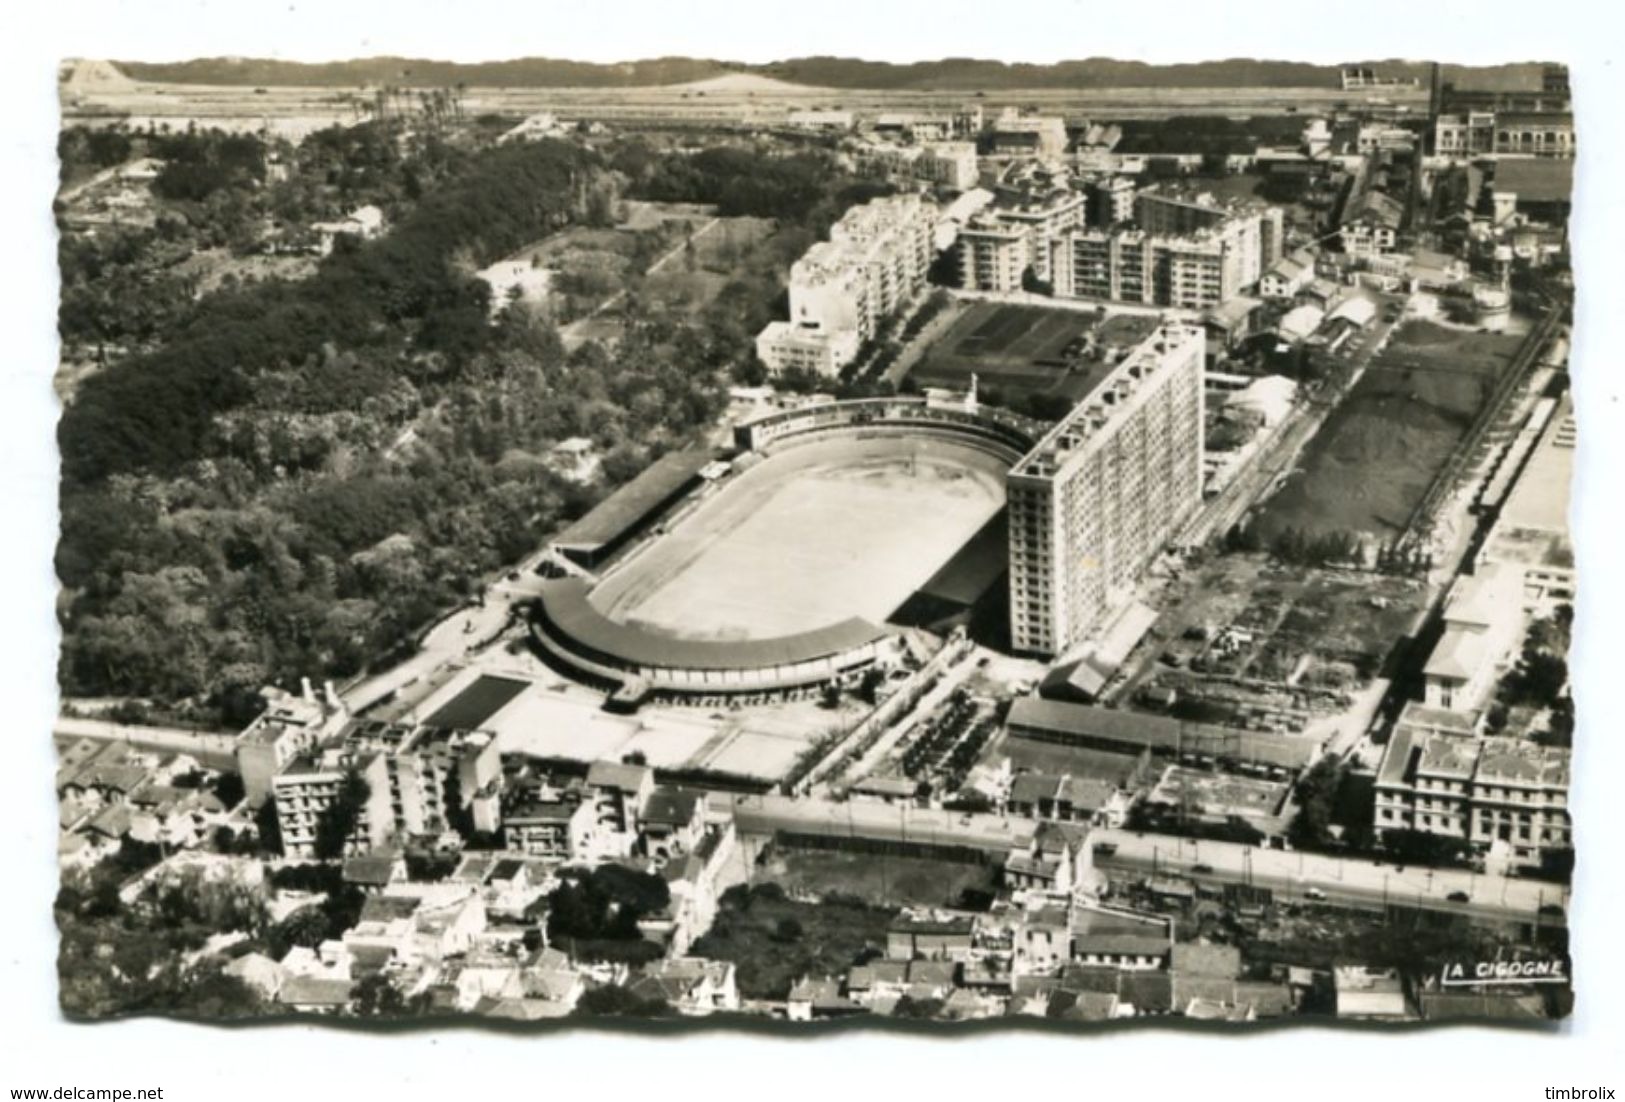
{"points": [[1029, 350], [876, 878], [1379, 451], [809, 537], [1214, 794]]}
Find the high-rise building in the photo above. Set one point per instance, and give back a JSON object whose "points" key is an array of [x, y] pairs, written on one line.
{"points": [[874, 262], [1102, 493], [419, 779]]}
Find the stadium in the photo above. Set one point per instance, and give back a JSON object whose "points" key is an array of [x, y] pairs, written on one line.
{"points": [[786, 566]]}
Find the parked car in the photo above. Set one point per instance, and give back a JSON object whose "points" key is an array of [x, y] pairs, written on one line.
{"points": [[1458, 897], [1314, 893]]}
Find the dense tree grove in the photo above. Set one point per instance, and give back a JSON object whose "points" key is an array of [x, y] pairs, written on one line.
{"points": [[294, 476]]}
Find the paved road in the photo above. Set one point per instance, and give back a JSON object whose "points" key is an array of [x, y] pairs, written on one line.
{"points": [[212, 749], [1341, 879]]}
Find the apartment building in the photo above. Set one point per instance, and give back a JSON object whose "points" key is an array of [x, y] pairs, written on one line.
{"points": [[1464, 134], [1182, 250], [1102, 493], [1006, 239], [1506, 798], [1507, 133], [419, 778], [993, 256], [873, 264], [943, 164]]}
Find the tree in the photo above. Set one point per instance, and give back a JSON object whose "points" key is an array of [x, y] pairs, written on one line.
{"points": [[613, 1000], [375, 996]]}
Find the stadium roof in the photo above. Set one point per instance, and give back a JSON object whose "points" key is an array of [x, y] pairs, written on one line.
{"points": [[632, 502], [565, 604]]}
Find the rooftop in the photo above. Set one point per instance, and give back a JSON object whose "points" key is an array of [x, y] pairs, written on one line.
{"points": [[567, 606], [633, 501]]}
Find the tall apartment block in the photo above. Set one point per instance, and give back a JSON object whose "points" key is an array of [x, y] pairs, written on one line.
{"points": [[418, 779], [874, 262], [1103, 492]]}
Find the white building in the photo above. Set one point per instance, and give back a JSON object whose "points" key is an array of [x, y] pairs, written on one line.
{"points": [[873, 265]]}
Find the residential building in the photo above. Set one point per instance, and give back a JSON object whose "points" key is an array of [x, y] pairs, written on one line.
{"points": [[1067, 799], [1288, 276], [920, 936], [1525, 134], [1103, 492], [692, 986], [559, 828], [993, 256], [819, 118], [1373, 229], [1111, 200], [672, 822], [418, 778], [1182, 250], [289, 726], [1017, 135], [618, 791], [1463, 135], [1504, 798], [873, 264]]}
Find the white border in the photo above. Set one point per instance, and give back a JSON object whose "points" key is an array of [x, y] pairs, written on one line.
{"points": [[191, 1062]]}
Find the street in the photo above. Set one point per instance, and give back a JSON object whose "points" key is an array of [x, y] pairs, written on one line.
{"points": [[1346, 880]]}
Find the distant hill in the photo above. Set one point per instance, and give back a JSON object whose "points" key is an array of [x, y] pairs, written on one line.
{"points": [[949, 74]]}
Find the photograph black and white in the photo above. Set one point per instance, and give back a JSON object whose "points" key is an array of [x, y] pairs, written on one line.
{"points": [[822, 540]]}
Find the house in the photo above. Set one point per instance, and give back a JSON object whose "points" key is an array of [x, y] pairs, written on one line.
{"points": [[619, 791], [692, 986], [1115, 938], [315, 995], [1058, 860], [1043, 940], [1291, 274], [1066, 798], [672, 821], [363, 223], [1374, 227], [880, 979], [814, 1000], [552, 826], [914, 936]]}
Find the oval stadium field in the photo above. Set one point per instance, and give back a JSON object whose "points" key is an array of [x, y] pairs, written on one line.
{"points": [[814, 534]]}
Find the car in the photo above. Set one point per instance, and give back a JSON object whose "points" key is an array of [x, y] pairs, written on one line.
{"points": [[1458, 897], [1200, 868], [1552, 909], [1314, 893]]}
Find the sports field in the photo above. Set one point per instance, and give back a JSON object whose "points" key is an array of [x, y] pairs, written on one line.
{"points": [[809, 537], [1219, 793], [1028, 350]]}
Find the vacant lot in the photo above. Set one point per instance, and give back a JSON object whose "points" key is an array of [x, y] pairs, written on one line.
{"points": [[876, 878], [774, 941], [1204, 793], [1378, 452], [1023, 351], [810, 537]]}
